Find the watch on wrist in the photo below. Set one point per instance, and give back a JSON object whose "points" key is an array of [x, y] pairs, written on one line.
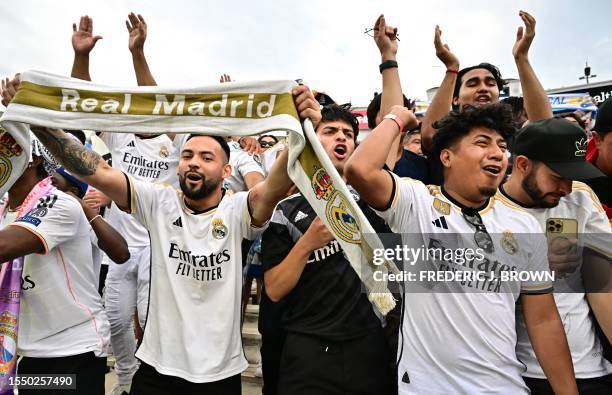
{"points": [[397, 120]]}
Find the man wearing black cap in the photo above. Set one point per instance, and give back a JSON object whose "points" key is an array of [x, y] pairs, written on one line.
{"points": [[549, 155], [599, 153]]}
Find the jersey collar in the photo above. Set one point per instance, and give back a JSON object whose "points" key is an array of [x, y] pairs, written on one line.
{"points": [[198, 212], [505, 194], [463, 206]]}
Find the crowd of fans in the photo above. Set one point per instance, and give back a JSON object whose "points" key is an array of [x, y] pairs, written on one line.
{"points": [[109, 244]]}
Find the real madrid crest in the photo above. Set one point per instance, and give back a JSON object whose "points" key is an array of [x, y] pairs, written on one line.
{"points": [[441, 206], [219, 230], [163, 151], [509, 243]]}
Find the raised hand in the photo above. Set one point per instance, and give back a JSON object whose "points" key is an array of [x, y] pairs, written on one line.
{"points": [[225, 78], [525, 37], [83, 39], [385, 38], [137, 27], [306, 104], [444, 53], [9, 89]]}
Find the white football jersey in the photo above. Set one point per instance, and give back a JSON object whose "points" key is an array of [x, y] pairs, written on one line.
{"points": [[242, 163], [193, 324], [463, 340], [582, 214], [61, 312], [152, 159]]}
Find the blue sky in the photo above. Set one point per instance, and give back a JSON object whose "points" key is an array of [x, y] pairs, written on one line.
{"points": [[191, 43]]}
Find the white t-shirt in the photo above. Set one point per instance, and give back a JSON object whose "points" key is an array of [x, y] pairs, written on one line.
{"points": [[193, 322], [242, 164], [152, 159], [463, 341], [61, 312], [580, 210]]}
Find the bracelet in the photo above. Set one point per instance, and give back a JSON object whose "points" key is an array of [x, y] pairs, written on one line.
{"points": [[452, 71], [397, 120], [387, 64], [92, 220]]}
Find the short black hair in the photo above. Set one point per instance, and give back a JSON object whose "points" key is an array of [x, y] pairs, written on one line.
{"points": [[458, 124], [268, 135], [487, 66], [218, 139], [334, 112], [374, 108], [79, 134]]}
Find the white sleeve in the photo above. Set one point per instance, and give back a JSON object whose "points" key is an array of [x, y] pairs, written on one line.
{"points": [[144, 200], [402, 202], [240, 205], [246, 164], [56, 219], [597, 233], [179, 141], [537, 262], [110, 139]]}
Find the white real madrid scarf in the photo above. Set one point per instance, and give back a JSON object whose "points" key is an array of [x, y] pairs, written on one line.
{"points": [[225, 109]]}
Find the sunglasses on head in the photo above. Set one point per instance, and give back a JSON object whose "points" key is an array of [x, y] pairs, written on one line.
{"points": [[481, 236]]}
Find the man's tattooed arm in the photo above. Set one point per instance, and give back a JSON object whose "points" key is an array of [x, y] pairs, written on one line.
{"points": [[70, 153], [85, 164]]}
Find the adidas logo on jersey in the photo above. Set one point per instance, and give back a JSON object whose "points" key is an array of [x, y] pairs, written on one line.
{"points": [[300, 216], [131, 144], [178, 222], [440, 223]]}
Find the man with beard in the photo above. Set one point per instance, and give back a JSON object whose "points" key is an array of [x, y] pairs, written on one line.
{"points": [[461, 336], [570, 213], [150, 158], [481, 84], [192, 341]]}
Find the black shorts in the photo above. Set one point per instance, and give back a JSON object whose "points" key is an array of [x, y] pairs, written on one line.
{"points": [[595, 386], [88, 368], [148, 381], [312, 366]]}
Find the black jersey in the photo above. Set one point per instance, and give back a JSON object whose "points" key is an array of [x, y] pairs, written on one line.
{"points": [[327, 301]]}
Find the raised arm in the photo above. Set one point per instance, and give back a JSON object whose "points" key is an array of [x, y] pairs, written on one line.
{"points": [[364, 169], [137, 28], [85, 164], [109, 240], [264, 196], [536, 101], [549, 342], [83, 41], [282, 278], [385, 38], [442, 101]]}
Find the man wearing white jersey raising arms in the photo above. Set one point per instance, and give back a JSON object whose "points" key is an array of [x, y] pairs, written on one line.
{"points": [[541, 183], [465, 341], [149, 158], [192, 341]]}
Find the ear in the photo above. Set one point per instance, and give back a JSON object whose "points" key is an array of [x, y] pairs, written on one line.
{"points": [[597, 139], [522, 164], [455, 101], [446, 156], [227, 171]]}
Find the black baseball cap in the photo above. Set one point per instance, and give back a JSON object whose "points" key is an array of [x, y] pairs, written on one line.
{"points": [[560, 144], [603, 122]]}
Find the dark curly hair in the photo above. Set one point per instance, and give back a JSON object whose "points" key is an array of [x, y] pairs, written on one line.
{"points": [[487, 66], [335, 112], [458, 124]]}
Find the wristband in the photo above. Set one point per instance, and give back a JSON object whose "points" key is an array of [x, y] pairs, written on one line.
{"points": [[452, 71], [397, 120], [387, 64], [92, 220]]}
